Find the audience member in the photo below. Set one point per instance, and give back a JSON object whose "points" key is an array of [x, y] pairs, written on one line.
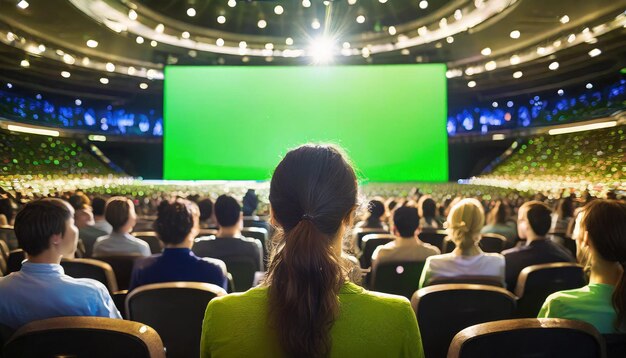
{"points": [[306, 307], [84, 220], [533, 224], [407, 246], [98, 204], [177, 225], [428, 213], [563, 215], [498, 223], [120, 213], [375, 218], [599, 233], [207, 216], [250, 203], [6, 210], [45, 230], [465, 221]]}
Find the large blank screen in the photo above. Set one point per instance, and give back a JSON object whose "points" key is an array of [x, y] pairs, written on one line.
{"points": [[235, 123]]}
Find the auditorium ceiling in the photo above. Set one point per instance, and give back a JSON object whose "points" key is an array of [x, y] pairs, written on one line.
{"points": [[113, 48]]}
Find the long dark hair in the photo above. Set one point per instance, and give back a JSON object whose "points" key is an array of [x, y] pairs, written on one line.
{"points": [[313, 193], [605, 222]]}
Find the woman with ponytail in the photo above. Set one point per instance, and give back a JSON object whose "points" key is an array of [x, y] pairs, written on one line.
{"points": [[306, 306], [465, 220], [600, 234]]}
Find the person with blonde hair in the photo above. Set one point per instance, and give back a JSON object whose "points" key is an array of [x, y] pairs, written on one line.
{"points": [[465, 220]]}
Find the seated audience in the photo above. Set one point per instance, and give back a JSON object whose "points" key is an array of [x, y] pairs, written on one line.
{"points": [[563, 215], [45, 230], [250, 204], [84, 220], [120, 213], [498, 223], [97, 205], [428, 213], [533, 224], [207, 216], [375, 218], [407, 246], [306, 306], [465, 221], [600, 234], [228, 242], [177, 226]]}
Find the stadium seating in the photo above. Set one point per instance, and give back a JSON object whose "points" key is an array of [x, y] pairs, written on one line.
{"points": [[122, 266], [433, 237], [397, 277], [156, 246], [359, 233], [89, 268], [369, 243], [492, 242]]}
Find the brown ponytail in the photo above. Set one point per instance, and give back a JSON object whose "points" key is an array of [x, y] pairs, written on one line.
{"points": [[312, 195]]}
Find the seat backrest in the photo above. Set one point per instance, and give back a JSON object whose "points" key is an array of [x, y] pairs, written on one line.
{"points": [[14, 262], [470, 279], [207, 232], [535, 283], [492, 242], [397, 277], [4, 249], [242, 268], [529, 337], [7, 234], [90, 268], [123, 268], [156, 246], [444, 310], [370, 243], [433, 237], [175, 310], [85, 337], [359, 233], [260, 234], [615, 345], [447, 246]]}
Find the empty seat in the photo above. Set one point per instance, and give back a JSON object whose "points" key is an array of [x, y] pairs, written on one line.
{"points": [[85, 337], [242, 269], [175, 310], [469, 279], [537, 282], [530, 337], [433, 237], [156, 246], [14, 262], [443, 310], [90, 268], [369, 243], [123, 268], [492, 242], [399, 277]]}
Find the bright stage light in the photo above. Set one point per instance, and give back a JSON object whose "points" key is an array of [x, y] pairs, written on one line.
{"points": [[321, 50]]}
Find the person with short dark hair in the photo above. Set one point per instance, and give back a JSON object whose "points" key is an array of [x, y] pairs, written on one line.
{"points": [[229, 242], [428, 213], [533, 223], [407, 246], [177, 226], [120, 213], [207, 216], [98, 204], [45, 230], [84, 220]]}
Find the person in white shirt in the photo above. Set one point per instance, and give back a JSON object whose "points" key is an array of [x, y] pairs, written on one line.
{"points": [[45, 230], [407, 246], [465, 221], [120, 213]]}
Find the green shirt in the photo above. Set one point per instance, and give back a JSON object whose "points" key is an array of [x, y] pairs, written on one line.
{"points": [[370, 324], [591, 303]]}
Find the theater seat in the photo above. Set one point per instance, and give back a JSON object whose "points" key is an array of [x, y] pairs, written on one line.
{"points": [[433, 237], [468, 279], [443, 310], [359, 233], [398, 278], [535, 283], [369, 244], [530, 337], [94, 337], [14, 261], [90, 268], [156, 246], [615, 345], [175, 310], [492, 243], [4, 249], [242, 269], [123, 268], [260, 234]]}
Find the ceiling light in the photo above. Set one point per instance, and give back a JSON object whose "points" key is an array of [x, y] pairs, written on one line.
{"points": [[553, 66], [78, 102], [365, 52], [68, 59], [269, 46], [560, 92], [351, 2], [289, 41], [132, 14], [262, 24], [92, 43], [153, 43], [423, 4], [321, 50], [25, 63], [494, 104], [595, 52], [392, 30], [541, 50], [491, 65], [557, 43], [486, 51], [151, 73], [571, 38], [443, 22], [139, 40], [85, 61], [110, 67], [346, 45], [469, 71], [104, 81], [143, 85], [232, 3], [278, 10], [9, 85], [509, 104], [245, 59], [185, 34], [159, 28], [471, 84], [458, 14], [422, 31], [588, 86], [242, 44], [515, 34], [42, 47], [564, 19], [449, 39], [65, 74], [517, 74], [131, 70], [405, 52], [382, 1], [191, 12], [360, 19], [515, 60], [219, 42], [307, 3], [315, 24], [221, 19], [22, 4]]}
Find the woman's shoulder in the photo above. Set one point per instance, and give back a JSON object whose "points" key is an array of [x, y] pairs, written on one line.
{"points": [[354, 295]]}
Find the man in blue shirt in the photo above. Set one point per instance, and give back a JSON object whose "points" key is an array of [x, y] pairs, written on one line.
{"points": [[45, 230]]}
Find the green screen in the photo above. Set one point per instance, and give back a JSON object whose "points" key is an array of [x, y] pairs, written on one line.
{"points": [[235, 123]]}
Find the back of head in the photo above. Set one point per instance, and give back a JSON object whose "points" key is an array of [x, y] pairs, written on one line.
{"points": [[565, 208], [376, 209], [79, 201], [117, 211], [498, 214], [38, 221], [97, 205], [313, 195], [465, 220], [250, 202], [206, 209], [227, 211], [538, 215], [605, 223], [406, 220], [176, 220]]}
